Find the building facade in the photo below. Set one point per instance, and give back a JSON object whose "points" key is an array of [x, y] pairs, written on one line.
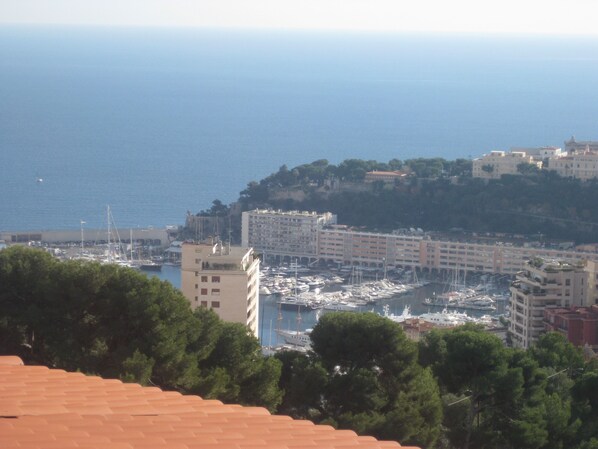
{"points": [[284, 234], [498, 163], [341, 245], [224, 279], [581, 164], [544, 284], [281, 234], [578, 324]]}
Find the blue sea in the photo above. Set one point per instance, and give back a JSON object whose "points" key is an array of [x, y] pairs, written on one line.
{"points": [[158, 122]]}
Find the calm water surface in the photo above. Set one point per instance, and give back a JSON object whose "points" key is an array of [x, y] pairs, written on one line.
{"points": [[158, 122]]}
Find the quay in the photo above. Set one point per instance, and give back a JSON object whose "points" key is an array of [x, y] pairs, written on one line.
{"points": [[161, 237]]}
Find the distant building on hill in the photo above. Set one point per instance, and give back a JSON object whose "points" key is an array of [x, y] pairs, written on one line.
{"points": [[579, 164], [498, 163], [224, 279], [539, 153], [543, 284], [573, 146], [384, 176]]}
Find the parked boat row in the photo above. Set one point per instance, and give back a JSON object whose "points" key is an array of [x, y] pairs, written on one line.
{"points": [[300, 340]]}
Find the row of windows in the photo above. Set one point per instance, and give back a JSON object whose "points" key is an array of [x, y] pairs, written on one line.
{"points": [[213, 304], [215, 279], [204, 291]]}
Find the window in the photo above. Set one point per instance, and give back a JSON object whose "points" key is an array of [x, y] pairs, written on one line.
{"points": [[197, 261], [196, 286], [204, 303], [216, 292], [204, 279], [215, 304], [216, 279], [196, 299], [204, 291], [567, 281]]}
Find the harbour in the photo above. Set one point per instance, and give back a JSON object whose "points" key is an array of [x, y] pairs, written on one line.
{"points": [[296, 320]]}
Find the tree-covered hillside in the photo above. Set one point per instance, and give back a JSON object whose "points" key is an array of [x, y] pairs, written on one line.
{"points": [[435, 195]]}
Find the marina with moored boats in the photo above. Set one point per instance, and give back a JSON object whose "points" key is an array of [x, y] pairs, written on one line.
{"points": [[291, 309]]}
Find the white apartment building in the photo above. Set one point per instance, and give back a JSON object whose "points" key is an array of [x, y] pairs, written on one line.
{"points": [[498, 163], [282, 234], [544, 284], [224, 279], [579, 164]]}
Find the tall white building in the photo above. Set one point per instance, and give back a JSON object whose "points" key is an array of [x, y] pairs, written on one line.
{"points": [[544, 284], [224, 279], [277, 233]]}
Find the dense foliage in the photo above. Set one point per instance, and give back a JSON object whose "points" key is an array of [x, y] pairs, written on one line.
{"points": [[117, 323], [497, 397], [438, 195], [363, 375], [458, 388]]}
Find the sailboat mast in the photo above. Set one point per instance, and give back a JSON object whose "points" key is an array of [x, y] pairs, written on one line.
{"points": [[109, 234]]}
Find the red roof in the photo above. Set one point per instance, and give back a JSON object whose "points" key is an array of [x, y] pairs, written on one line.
{"points": [[49, 408]]}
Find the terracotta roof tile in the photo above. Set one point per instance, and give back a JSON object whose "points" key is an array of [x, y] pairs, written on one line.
{"points": [[43, 408]]}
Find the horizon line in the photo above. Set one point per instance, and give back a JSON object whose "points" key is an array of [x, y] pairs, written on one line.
{"points": [[305, 30]]}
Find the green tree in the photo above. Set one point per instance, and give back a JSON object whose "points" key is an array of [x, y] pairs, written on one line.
{"points": [[473, 366], [372, 384], [117, 323], [236, 371]]}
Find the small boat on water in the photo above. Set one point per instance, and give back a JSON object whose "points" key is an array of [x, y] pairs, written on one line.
{"points": [[296, 338], [341, 306], [446, 318], [150, 266]]}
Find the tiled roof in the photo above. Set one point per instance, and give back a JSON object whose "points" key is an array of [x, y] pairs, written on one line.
{"points": [[49, 408]]}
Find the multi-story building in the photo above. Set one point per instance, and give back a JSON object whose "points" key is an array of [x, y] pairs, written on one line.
{"points": [[339, 244], [281, 234], [498, 163], [285, 234], [543, 284], [580, 164], [224, 279], [578, 324]]}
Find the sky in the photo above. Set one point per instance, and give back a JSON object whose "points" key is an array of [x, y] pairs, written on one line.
{"points": [[463, 16]]}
